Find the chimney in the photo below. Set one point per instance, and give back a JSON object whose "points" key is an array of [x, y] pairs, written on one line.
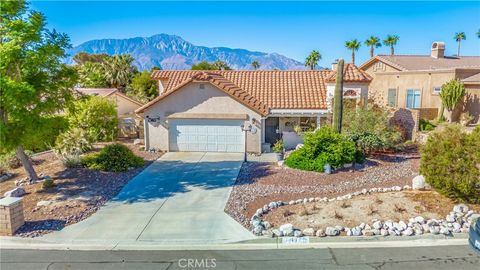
{"points": [[334, 65], [438, 49]]}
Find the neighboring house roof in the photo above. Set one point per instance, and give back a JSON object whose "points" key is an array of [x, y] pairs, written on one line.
{"points": [[475, 79], [261, 90], [350, 74], [106, 92], [425, 62], [102, 92]]}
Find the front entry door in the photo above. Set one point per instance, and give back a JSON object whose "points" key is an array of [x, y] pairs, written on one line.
{"points": [[271, 127]]}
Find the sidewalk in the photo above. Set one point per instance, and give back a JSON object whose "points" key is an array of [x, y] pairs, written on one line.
{"points": [[259, 243]]}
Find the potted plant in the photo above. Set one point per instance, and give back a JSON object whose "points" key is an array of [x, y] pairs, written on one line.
{"points": [[278, 148]]}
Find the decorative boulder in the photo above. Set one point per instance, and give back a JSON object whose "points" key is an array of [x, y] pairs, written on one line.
{"points": [[332, 231], [309, 232], [16, 192], [418, 182], [286, 229]]}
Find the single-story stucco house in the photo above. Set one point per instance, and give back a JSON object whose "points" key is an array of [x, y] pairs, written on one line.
{"points": [[129, 124], [210, 110]]}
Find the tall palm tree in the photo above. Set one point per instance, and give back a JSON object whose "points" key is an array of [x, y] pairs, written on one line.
{"points": [[459, 36], [353, 45], [391, 41], [118, 70], [478, 33], [373, 42], [312, 59], [255, 65]]}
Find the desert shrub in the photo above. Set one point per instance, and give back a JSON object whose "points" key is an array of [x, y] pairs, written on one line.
{"points": [[321, 147], [114, 157], [450, 162], [370, 128], [97, 116], [278, 147], [426, 125], [71, 144], [366, 142], [10, 160], [48, 183], [41, 139]]}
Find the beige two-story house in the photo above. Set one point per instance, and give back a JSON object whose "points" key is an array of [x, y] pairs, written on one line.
{"points": [[414, 81]]}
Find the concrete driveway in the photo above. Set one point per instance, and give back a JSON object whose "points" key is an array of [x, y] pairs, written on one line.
{"points": [[178, 199]]}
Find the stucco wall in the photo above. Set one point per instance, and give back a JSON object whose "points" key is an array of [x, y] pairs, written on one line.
{"points": [[124, 106], [472, 101], [192, 99], [401, 81]]}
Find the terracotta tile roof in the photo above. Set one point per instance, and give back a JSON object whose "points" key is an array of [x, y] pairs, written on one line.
{"points": [[475, 79], [425, 62], [262, 89], [350, 74]]}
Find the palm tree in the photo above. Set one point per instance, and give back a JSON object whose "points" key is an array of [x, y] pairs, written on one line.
{"points": [[391, 41], [312, 59], [353, 45], [255, 65], [118, 70], [478, 33], [459, 36], [373, 42]]}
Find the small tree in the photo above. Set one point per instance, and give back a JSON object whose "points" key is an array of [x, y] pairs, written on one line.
{"points": [[451, 94], [143, 87], [255, 65], [338, 98], [34, 82], [96, 115]]}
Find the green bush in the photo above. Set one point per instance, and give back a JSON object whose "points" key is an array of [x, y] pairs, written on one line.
{"points": [[450, 163], [113, 157], [97, 116], [72, 143], [48, 183], [426, 125], [366, 142], [370, 128], [278, 147], [321, 147], [11, 161], [41, 139]]}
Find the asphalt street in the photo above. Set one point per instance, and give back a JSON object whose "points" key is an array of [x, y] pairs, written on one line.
{"points": [[438, 258]]}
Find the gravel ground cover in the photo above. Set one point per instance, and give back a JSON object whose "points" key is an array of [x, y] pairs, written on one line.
{"points": [[77, 194], [260, 183]]}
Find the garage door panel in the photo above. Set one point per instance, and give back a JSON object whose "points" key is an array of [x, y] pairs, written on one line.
{"points": [[206, 135]]}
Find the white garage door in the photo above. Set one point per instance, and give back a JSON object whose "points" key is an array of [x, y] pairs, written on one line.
{"points": [[194, 135]]}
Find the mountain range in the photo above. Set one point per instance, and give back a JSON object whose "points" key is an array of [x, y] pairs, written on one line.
{"points": [[173, 52]]}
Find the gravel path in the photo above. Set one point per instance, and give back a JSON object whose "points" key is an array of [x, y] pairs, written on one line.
{"points": [[261, 183]]}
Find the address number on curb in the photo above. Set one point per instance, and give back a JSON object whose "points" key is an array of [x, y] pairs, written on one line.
{"points": [[295, 240]]}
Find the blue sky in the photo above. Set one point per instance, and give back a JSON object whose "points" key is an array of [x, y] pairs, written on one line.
{"points": [[289, 28]]}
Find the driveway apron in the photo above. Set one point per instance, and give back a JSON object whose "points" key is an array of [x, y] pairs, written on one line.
{"points": [[180, 198]]}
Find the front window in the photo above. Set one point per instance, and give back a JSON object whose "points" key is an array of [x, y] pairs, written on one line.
{"points": [[413, 98], [392, 97]]}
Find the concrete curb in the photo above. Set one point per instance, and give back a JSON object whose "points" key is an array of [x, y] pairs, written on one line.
{"points": [[22, 243]]}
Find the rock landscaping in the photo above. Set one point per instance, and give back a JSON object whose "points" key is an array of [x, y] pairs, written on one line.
{"points": [[261, 183], [457, 221], [76, 194]]}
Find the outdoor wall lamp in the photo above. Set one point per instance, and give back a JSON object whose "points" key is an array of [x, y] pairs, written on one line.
{"points": [[152, 119], [246, 128]]}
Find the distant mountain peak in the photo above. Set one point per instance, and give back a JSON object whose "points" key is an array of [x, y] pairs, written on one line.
{"points": [[173, 52]]}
